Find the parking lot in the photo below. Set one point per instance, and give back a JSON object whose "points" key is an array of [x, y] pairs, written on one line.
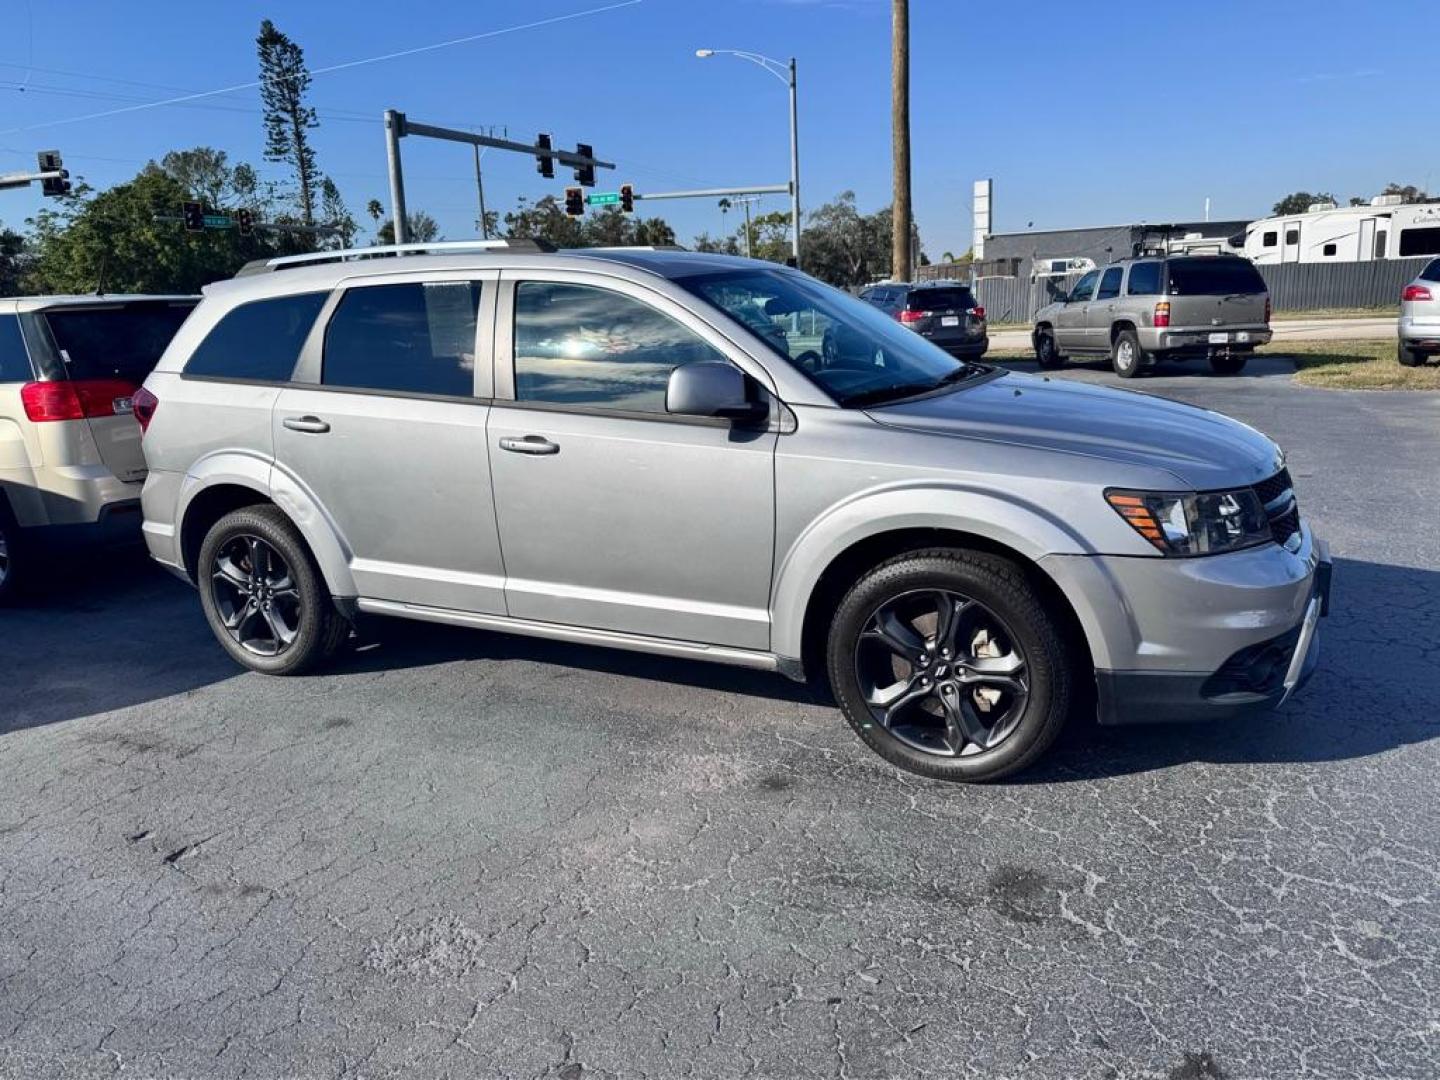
{"points": [[461, 854]]}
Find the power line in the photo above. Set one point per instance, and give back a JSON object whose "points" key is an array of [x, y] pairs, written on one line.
{"points": [[331, 68]]}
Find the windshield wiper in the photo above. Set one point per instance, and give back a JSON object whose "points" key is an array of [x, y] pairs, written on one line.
{"points": [[907, 390]]}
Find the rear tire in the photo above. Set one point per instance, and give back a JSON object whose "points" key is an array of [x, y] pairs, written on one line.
{"points": [[1126, 356], [1046, 353], [13, 560], [998, 623], [263, 595], [1231, 364], [1409, 357]]}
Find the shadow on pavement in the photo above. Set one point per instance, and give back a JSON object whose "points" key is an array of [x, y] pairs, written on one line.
{"points": [[105, 630], [1376, 689], [386, 643]]}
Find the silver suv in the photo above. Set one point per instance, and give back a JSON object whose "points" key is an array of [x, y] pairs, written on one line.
{"points": [[70, 459], [646, 450], [1138, 311], [1419, 325]]}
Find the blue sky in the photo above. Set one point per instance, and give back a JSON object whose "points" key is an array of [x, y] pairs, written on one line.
{"points": [[1137, 113]]}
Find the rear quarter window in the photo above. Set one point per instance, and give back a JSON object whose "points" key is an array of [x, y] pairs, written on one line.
{"points": [[1431, 272], [1213, 277], [14, 360], [1144, 280], [259, 340]]}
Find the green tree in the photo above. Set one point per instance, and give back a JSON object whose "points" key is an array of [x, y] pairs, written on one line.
{"points": [[337, 213], [421, 227], [284, 79], [1297, 202], [1410, 193], [723, 245], [204, 172], [113, 238], [545, 219], [14, 261], [844, 247], [654, 231]]}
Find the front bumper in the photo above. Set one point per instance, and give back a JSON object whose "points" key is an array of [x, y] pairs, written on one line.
{"points": [[1256, 678]]}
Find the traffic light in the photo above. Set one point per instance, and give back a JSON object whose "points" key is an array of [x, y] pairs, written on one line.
{"points": [[245, 220], [54, 186], [193, 215], [574, 201], [627, 198], [544, 163], [585, 174]]}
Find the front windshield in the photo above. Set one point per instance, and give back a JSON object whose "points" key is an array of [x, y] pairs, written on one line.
{"points": [[852, 350]]}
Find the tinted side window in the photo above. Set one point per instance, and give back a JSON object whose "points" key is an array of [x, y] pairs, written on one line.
{"points": [[1292, 236], [1085, 287], [582, 346], [261, 340], [1431, 272], [119, 341], [1420, 241], [14, 360], [1144, 280], [415, 339], [1270, 238], [1110, 283]]}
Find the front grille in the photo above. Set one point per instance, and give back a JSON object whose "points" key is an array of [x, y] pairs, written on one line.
{"points": [[1269, 489], [1277, 495]]}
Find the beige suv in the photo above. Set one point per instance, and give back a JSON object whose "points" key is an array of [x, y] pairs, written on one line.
{"points": [[70, 462], [1138, 311]]}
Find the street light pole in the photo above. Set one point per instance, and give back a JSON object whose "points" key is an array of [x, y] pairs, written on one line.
{"points": [[794, 171], [786, 74]]}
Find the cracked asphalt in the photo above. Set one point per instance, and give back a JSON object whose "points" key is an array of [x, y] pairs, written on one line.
{"points": [[458, 854]]}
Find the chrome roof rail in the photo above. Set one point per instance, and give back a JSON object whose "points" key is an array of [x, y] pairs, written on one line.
{"points": [[442, 247]]}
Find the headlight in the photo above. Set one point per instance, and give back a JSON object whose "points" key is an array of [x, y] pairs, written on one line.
{"points": [[1187, 523]]}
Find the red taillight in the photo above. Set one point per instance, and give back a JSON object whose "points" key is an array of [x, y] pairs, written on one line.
{"points": [[978, 311], [76, 399], [144, 404], [1416, 292], [1162, 313], [912, 316]]}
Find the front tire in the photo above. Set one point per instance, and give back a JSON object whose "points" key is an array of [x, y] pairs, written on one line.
{"points": [[1047, 355], [263, 594], [1228, 363], [1126, 356], [947, 664]]}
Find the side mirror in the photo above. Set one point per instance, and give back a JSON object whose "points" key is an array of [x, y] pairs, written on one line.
{"points": [[710, 388]]}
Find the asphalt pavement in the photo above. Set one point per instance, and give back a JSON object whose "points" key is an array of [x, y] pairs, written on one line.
{"points": [[460, 854]]}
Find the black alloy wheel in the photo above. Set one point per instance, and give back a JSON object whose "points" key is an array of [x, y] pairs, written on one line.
{"points": [[256, 596], [941, 673]]}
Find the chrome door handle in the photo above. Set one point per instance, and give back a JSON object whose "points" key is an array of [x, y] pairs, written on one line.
{"points": [[311, 425], [530, 444]]}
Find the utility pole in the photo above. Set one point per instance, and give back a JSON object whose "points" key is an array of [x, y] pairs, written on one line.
{"points": [[480, 192], [394, 129], [900, 266]]}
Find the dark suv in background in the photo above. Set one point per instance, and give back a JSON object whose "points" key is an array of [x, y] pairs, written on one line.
{"points": [[945, 312]]}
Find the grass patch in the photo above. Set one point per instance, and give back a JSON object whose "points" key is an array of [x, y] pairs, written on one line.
{"points": [[1355, 365], [1389, 311]]}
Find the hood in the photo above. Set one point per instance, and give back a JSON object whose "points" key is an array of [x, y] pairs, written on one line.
{"points": [[1202, 449]]}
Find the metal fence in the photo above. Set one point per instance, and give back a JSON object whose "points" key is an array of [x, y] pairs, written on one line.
{"points": [[1293, 287]]}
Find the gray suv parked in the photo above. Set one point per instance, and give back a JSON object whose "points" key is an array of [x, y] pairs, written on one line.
{"points": [[1139, 311], [647, 450]]}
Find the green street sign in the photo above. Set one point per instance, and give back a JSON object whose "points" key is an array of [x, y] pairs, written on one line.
{"points": [[218, 221], [602, 198]]}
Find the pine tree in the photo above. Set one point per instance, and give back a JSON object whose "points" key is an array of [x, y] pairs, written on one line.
{"points": [[284, 78]]}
